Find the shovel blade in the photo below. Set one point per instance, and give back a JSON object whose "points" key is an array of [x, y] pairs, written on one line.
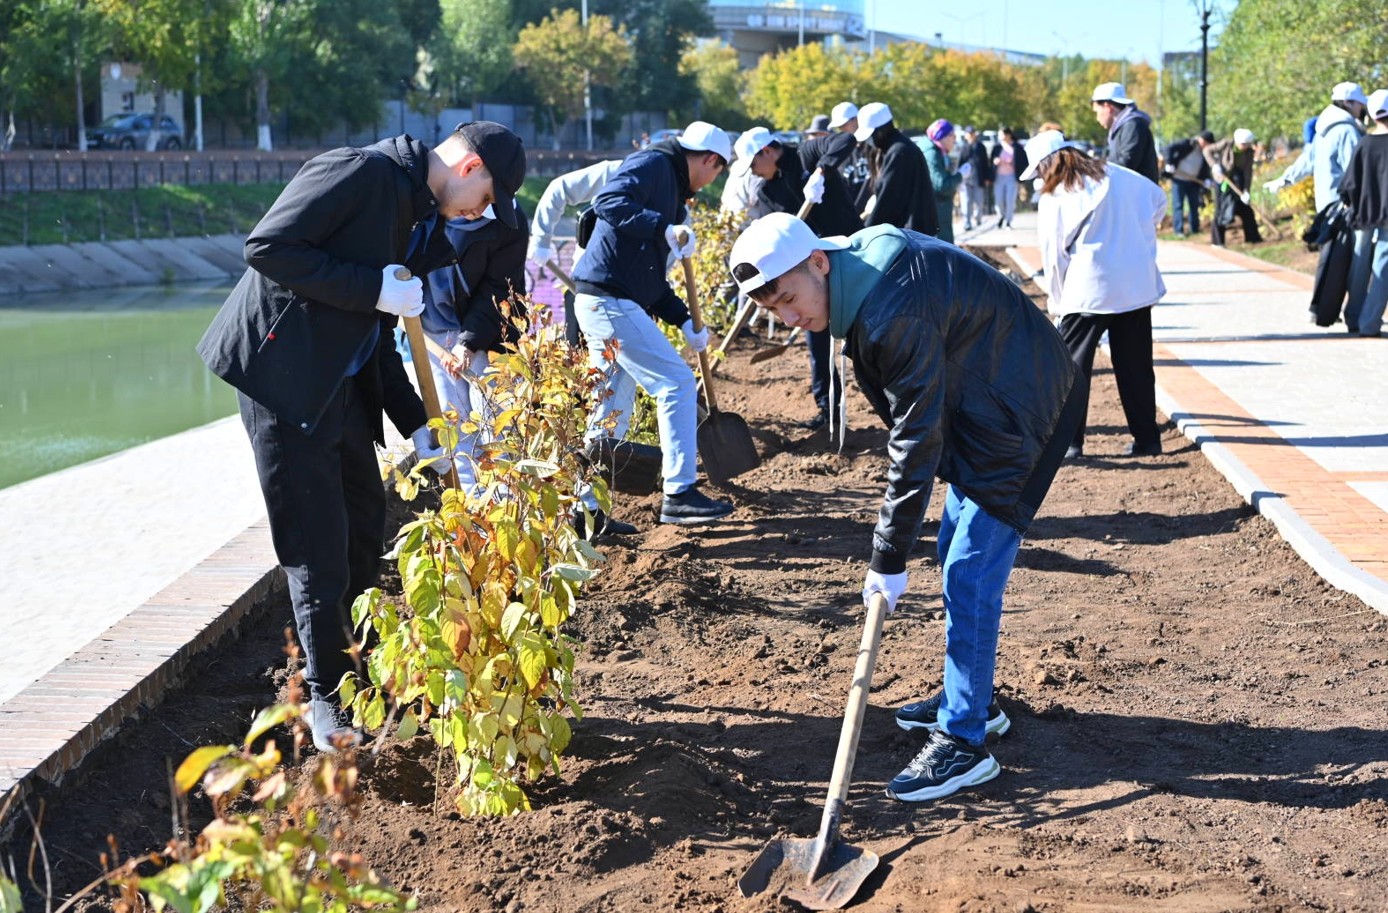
{"points": [[726, 446], [784, 867], [768, 354]]}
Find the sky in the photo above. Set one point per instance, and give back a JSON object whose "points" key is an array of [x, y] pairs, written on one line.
{"points": [[1135, 29]]}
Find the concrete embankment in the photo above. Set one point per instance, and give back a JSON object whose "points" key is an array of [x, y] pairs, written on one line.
{"points": [[153, 261]]}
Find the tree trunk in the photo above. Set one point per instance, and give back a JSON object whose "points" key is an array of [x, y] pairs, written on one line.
{"points": [[8, 143], [81, 114], [558, 129], [262, 110], [160, 101]]}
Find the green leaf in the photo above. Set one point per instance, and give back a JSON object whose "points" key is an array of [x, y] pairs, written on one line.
{"points": [[409, 725], [10, 900], [196, 764], [375, 713], [269, 718], [574, 573], [533, 661], [511, 620], [560, 733]]}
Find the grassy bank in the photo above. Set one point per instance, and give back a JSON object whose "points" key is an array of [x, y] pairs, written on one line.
{"points": [[167, 211]]}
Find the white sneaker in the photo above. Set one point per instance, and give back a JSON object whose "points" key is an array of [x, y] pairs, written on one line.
{"points": [[332, 729]]}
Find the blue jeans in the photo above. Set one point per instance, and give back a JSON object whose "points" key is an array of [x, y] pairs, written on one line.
{"points": [[1376, 297], [1185, 194], [1360, 273], [977, 552], [643, 356]]}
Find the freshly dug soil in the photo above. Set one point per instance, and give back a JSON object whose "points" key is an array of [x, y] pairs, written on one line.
{"points": [[1198, 719]]}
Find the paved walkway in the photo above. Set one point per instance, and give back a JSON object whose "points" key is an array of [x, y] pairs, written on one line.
{"points": [[1291, 413]]}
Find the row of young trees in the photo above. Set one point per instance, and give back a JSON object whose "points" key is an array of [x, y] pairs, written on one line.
{"points": [[319, 64]]}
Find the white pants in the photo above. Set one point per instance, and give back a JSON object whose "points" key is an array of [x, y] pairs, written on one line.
{"points": [[466, 397]]}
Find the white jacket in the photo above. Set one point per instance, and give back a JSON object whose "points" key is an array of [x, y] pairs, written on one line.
{"points": [[567, 190], [1099, 244]]}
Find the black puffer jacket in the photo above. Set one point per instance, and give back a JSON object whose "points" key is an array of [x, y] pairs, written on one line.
{"points": [[970, 377], [491, 264]]}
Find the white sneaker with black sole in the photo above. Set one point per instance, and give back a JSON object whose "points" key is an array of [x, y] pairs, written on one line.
{"points": [[944, 766], [331, 727], [926, 715]]}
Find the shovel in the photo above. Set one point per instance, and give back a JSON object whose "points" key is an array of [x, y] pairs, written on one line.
{"points": [[425, 375], [823, 873], [561, 275], [777, 351], [725, 443]]}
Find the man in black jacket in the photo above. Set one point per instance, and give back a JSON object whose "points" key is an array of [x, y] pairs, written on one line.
{"points": [[901, 191], [621, 284], [305, 337], [977, 388], [465, 315], [1189, 170], [1130, 142], [790, 176], [978, 177]]}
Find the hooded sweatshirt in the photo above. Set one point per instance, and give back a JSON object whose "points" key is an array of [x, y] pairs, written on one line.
{"points": [[1130, 143], [1327, 156]]}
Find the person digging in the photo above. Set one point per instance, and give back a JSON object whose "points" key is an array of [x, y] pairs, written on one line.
{"points": [[977, 388]]}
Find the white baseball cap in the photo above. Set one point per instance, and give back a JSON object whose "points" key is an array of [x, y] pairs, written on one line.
{"points": [[774, 245], [1244, 136], [843, 112], [748, 145], [1111, 91], [1348, 91], [1378, 104], [1043, 144], [871, 116], [701, 136]]}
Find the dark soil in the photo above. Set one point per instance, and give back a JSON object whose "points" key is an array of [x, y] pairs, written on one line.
{"points": [[1198, 719]]}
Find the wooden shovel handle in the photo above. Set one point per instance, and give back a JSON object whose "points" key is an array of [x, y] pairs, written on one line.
{"points": [[424, 373], [561, 275], [853, 718], [697, 319]]}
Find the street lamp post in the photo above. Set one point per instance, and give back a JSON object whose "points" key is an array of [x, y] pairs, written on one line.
{"points": [[1205, 7], [587, 86]]}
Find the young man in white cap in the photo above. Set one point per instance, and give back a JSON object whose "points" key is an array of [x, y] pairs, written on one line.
{"points": [[1231, 164], [1338, 131], [902, 194], [306, 339], [1129, 129], [621, 285], [976, 387], [843, 119]]}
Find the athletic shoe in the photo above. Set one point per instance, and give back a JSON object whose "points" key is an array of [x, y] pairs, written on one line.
{"points": [[331, 728], [819, 421], [944, 766], [1074, 453], [924, 715], [603, 526], [692, 506], [1135, 449]]}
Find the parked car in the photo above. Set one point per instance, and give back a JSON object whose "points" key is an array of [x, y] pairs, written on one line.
{"points": [[787, 137], [131, 131], [668, 133]]}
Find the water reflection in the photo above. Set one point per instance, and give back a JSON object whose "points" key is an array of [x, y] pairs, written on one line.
{"points": [[89, 373]]}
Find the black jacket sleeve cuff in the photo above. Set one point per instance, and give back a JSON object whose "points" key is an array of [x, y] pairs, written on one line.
{"points": [[887, 562]]}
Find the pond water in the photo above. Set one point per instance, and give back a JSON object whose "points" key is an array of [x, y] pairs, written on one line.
{"points": [[86, 374]]}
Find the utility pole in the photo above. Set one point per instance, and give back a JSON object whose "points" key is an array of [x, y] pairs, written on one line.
{"points": [[1205, 7], [587, 86]]}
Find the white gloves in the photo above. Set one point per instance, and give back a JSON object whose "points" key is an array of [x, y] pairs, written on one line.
{"points": [[539, 254], [1244, 197], [890, 585], [1274, 185], [681, 240], [424, 448], [401, 297], [966, 169], [814, 187], [697, 341]]}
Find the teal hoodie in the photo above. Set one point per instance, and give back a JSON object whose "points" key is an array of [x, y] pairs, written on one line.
{"points": [[855, 271]]}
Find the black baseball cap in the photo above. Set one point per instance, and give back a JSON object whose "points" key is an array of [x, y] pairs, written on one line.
{"points": [[504, 155]]}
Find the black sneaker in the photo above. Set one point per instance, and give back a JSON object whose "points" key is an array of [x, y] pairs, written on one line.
{"points": [[692, 506], [1136, 449], [924, 715], [819, 421], [944, 766], [603, 526]]}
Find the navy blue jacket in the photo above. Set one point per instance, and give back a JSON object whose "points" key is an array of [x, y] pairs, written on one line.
{"points": [[627, 254], [307, 305], [491, 265]]}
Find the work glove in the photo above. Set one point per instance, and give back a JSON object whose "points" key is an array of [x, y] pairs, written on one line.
{"points": [[889, 585], [1244, 197], [425, 449], [1274, 185], [681, 240], [539, 254], [814, 187], [401, 297], [697, 341]]}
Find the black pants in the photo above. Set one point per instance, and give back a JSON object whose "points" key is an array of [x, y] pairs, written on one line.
{"points": [[327, 512], [1242, 211], [1130, 348], [821, 355]]}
